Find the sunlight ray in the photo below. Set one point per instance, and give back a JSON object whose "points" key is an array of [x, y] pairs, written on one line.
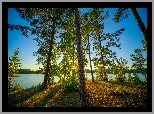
{"points": [[36, 98], [54, 98]]}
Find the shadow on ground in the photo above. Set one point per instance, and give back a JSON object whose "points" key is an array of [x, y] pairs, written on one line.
{"points": [[21, 95]]}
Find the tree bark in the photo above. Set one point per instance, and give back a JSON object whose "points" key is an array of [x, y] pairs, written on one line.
{"points": [[81, 75], [46, 77], [139, 22]]}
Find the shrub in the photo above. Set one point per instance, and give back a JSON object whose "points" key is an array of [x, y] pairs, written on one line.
{"points": [[17, 87], [101, 78], [111, 80], [12, 84], [119, 78], [137, 80], [134, 80], [70, 85], [129, 79]]}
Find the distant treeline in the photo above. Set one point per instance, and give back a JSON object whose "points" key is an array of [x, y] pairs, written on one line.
{"points": [[28, 71], [108, 71]]}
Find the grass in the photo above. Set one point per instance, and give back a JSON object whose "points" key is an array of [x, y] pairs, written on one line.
{"points": [[101, 94]]}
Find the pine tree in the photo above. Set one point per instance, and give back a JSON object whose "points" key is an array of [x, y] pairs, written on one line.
{"points": [[43, 24], [81, 75], [122, 13], [13, 66]]}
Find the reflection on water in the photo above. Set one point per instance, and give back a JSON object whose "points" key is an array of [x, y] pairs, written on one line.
{"points": [[29, 80]]}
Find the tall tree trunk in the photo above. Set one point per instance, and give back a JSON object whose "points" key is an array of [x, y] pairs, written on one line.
{"points": [[46, 77], [81, 75], [105, 77], [139, 22], [90, 61]]}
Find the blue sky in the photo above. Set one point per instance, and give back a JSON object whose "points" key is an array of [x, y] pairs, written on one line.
{"points": [[130, 39]]}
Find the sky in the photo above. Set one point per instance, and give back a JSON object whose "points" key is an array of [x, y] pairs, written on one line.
{"points": [[130, 39]]}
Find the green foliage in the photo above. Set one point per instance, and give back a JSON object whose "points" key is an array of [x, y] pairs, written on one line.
{"points": [[137, 80], [138, 59], [10, 83], [42, 24], [119, 69], [111, 80], [133, 79], [121, 14], [14, 64], [103, 52], [13, 67], [17, 87], [139, 62], [101, 74], [129, 79], [120, 78], [24, 29], [70, 85], [144, 42]]}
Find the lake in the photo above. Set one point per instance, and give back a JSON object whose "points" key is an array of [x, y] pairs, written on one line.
{"points": [[29, 80]]}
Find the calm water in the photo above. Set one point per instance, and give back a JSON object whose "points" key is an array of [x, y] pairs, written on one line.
{"points": [[29, 80]]}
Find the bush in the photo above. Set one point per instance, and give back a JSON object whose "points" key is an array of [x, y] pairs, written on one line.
{"points": [[101, 78], [70, 85], [17, 87], [120, 79], [114, 80], [137, 80], [129, 79], [134, 80], [12, 84]]}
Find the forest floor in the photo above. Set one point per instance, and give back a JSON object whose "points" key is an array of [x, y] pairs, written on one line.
{"points": [[103, 94]]}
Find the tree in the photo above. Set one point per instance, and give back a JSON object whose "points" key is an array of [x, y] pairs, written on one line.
{"points": [[13, 67], [103, 52], [139, 62], [43, 22], [119, 69], [67, 46], [81, 75], [46, 77], [86, 29], [122, 13], [140, 22], [90, 61]]}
